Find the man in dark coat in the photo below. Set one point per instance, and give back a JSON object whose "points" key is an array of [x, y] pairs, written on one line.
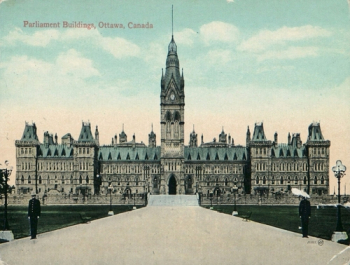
{"points": [[34, 211], [305, 214]]}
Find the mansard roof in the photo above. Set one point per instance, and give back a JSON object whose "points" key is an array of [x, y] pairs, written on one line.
{"points": [[314, 132], [85, 133], [215, 154], [29, 133], [129, 153], [259, 134], [285, 151], [56, 150]]}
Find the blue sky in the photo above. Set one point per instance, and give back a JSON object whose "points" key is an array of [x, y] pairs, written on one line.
{"points": [[282, 62]]}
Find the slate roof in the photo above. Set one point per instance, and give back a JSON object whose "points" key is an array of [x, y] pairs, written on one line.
{"points": [[285, 151], [59, 150], [67, 135], [29, 133], [111, 153], [259, 134], [213, 154], [314, 132], [85, 133]]}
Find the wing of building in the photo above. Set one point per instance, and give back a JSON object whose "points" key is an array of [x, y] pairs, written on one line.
{"points": [[83, 166]]}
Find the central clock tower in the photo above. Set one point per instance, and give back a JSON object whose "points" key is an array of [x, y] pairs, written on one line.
{"points": [[172, 104]]}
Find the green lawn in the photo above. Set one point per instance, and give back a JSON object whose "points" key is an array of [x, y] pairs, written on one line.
{"points": [[55, 217], [322, 222]]}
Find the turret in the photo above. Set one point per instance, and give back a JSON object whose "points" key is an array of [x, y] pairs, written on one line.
{"points": [[248, 137], [97, 138], [193, 138]]}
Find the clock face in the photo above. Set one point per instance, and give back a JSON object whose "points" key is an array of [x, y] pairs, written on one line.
{"points": [[172, 96]]}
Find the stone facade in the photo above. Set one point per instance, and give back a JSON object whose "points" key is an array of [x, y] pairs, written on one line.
{"points": [[83, 167]]}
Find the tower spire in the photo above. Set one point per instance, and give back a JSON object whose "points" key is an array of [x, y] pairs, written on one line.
{"points": [[172, 20]]}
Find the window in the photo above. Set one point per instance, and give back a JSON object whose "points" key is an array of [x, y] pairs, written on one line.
{"points": [[40, 180], [29, 180], [322, 180], [257, 180], [264, 180], [87, 180], [281, 180], [296, 180], [273, 180], [304, 181], [315, 180]]}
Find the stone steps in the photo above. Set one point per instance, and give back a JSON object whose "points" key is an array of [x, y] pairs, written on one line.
{"points": [[173, 200]]}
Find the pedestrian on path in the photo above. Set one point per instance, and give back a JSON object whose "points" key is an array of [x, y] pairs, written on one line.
{"points": [[304, 214], [34, 211]]}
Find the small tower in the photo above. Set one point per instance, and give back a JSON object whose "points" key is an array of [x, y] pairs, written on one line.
{"points": [[223, 136], [97, 138], [193, 138], [248, 137], [275, 136], [289, 139], [152, 139], [123, 138]]}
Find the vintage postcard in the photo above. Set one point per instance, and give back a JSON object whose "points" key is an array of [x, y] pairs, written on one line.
{"points": [[174, 82]]}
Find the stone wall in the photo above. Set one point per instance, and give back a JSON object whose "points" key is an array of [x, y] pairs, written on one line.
{"points": [[75, 199], [286, 199]]}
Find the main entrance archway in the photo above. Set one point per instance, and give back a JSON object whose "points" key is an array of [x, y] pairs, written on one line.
{"points": [[172, 185]]}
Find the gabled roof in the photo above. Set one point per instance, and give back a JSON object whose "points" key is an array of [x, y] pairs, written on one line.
{"points": [[287, 151], [129, 153], [57, 151], [216, 154]]}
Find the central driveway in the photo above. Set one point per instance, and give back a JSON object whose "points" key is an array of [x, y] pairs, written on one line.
{"points": [[171, 235]]}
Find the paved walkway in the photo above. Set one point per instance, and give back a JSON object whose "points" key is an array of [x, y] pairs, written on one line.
{"points": [[172, 235]]}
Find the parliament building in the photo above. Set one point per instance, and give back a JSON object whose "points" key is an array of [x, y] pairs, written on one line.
{"points": [[82, 165]]}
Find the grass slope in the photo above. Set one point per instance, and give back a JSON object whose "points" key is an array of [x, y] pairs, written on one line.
{"points": [[322, 222], [55, 217]]}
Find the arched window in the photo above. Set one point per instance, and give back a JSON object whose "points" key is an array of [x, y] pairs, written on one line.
{"points": [[29, 180], [80, 180], [40, 180], [281, 180], [273, 180], [257, 180], [22, 180], [322, 180], [264, 180], [137, 181], [305, 181], [226, 182], [296, 180], [315, 180], [87, 179], [62, 179]]}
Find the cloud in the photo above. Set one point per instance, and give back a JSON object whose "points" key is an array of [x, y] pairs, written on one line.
{"points": [[218, 31], [290, 53], [118, 47], [39, 38], [185, 37], [71, 62], [266, 38], [219, 56], [230, 1], [27, 76]]}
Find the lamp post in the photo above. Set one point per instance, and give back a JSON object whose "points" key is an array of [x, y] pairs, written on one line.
{"points": [[339, 172], [110, 188], [134, 207], [5, 174], [234, 189]]}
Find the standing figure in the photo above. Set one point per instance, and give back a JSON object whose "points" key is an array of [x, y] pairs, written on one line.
{"points": [[34, 211], [304, 214]]}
